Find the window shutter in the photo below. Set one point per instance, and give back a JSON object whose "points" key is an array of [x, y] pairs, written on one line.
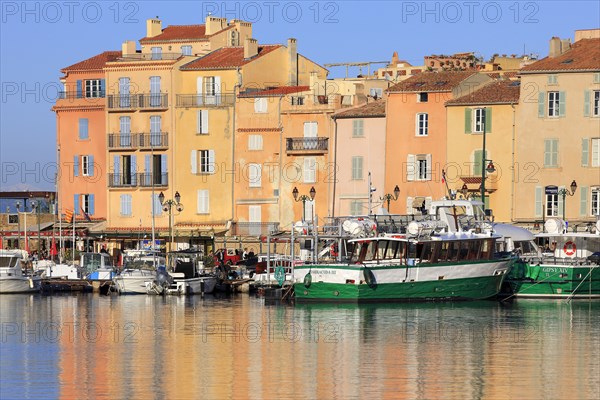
{"points": [[583, 207], [76, 204], [586, 103], [79, 89], [468, 120], [83, 128], [562, 99], [199, 91], [561, 203], [538, 201], [133, 170], [92, 209], [477, 156], [204, 121], [547, 152], [116, 171], [554, 152], [488, 120], [122, 210], [102, 87], [202, 206], [429, 167], [76, 165], [211, 162], [194, 161], [163, 169], [254, 214], [129, 205], [428, 203], [91, 165], [409, 207], [309, 170], [411, 167], [310, 130], [218, 89], [585, 152], [595, 152], [541, 104]]}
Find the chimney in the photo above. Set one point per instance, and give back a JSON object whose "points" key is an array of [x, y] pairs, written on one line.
{"points": [[394, 59], [292, 49], [153, 27], [555, 47], [565, 45], [214, 25], [128, 48], [250, 48]]}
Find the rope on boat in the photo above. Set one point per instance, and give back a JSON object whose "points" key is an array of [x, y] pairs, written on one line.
{"points": [[580, 283], [537, 283]]}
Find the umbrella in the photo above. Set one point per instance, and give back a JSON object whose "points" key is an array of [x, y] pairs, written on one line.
{"points": [[53, 251]]}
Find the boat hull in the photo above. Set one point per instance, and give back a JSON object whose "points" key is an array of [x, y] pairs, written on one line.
{"points": [[193, 286], [19, 285], [343, 283], [553, 281], [133, 285]]}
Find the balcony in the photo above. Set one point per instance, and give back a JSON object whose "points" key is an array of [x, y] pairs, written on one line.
{"points": [[122, 180], [148, 179], [302, 145], [149, 141], [254, 228], [149, 57], [78, 100], [138, 141], [131, 102], [119, 141], [204, 100]]}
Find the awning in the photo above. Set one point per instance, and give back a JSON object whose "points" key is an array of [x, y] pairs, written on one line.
{"points": [[474, 184], [418, 202]]}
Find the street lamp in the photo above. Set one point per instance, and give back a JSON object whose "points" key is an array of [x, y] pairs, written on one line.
{"points": [[490, 166], [167, 206], [303, 198], [389, 197], [564, 192]]}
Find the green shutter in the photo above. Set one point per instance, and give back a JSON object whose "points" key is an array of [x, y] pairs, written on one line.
{"points": [[585, 152], [488, 120], [583, 207], [541, 104], [561, 203], [547, 152], [562, 99], [468, 123], [538, 201], [586, 103], [477, 162]]}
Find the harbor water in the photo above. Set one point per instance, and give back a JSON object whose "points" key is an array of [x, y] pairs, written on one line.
{"points": [[91, 346]]}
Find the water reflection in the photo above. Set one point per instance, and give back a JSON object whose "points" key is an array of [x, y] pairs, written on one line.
{"points": [[141, 346]]}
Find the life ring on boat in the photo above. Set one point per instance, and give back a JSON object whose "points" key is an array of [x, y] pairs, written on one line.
{"points": [[307, 280], [570, 248], [369, 278]]}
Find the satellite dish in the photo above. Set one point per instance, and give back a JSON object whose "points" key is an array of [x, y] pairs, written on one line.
{"points": [[554, 225]]}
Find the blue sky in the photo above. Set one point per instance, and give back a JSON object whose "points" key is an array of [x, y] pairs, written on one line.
{"points": [[37, 39]]}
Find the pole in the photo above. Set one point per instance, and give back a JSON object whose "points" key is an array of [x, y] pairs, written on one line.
{"points": [[25, 230], [564, 205], [483, 162], [39, 236], [303, 208], [370, 197], [170, 227], [73, 255]]}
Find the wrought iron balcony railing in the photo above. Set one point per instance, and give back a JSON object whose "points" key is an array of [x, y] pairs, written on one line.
{"points": [[122, 141], [315, 144], [137, 101], [205, 100], [153, 140], [147, 179], [122, 180]]}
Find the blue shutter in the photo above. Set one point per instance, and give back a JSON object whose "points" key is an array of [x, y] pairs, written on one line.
{"points": [[75, 165], [163, 168], [122, 210], [116, 171], [83, 128], [133, 170], [129, 205], [79, 89], [92, 208], [91, 165], [76, 204], [102, 87], [147, 169]]}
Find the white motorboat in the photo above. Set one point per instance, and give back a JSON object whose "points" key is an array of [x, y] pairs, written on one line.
{"points": [[186, 271], [139, 273], [12, 277]]}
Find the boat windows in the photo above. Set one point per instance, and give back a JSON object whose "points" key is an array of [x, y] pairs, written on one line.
{"points": [[487, 249]]}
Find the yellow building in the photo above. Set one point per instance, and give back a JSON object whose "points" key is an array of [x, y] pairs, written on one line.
{"points": [[494, 104], [559, 133]]}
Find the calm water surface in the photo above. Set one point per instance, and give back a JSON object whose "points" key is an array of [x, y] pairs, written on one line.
{"points": [[90, 346]]}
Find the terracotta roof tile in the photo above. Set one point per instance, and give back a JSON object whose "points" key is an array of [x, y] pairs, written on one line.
{"points": [[496, 92], [369, 110], [278, 91], [178, 33], [583, 55], [227, 57], [432, 82], [94, 63]]}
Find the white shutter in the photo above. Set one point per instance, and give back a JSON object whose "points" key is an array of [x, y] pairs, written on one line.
{"points": [[595, 152], [310, 130], [429, 167], [409, 207], [254, 175], [310, 169], [211, 162], [309, 207], [199, 91], [411, 167], [204, 121], [255, 142], [428, 203], [254, 214], [203, 202], [218, 89], [538, 201], [194, 161]]}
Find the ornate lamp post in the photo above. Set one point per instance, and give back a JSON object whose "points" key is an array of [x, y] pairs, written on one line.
{"points": [[564, 192], [303, 198], [168, 206], [389, 197]]}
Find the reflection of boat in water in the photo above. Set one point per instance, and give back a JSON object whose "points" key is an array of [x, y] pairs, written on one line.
{"points": [[568, 266], [185, 275], [139, 272], [12, 277]]}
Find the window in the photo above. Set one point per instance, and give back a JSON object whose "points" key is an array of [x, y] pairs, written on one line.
{"points": [[310, 135], [422, 168], [553, 104], [210, 86], [552, 79], [551, 153], [422, 124], [595, 201], [255, 142], [260, 105], [422, 97], [124, 99], [297, 100], [155, 96], [156, 169], [125, 131], [85, 166], [358, 128], [156, 53], [254, 175], [203, 161], [156, 206], [127, 170], [85, 203], [155, 130], [356, 207], [310, 170], [418, 167], [357, 168], [94, 88], [83, 129], [552, 205], [595, 152], [125, 205], [596, 105], [203, 202], [202, 125], [254, 216], [186, 50], [13, 219], [478, 120], [376, 93]]}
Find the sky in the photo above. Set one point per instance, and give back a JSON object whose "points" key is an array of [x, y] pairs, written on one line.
{"points": [[38, 38]]}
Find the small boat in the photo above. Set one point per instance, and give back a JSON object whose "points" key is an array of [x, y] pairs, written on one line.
{"points": [[556, 263], [186, 274], [139, 272], [12, 277]]}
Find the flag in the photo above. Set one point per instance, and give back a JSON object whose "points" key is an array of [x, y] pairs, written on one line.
{"points": [[443, 176], [69, 216], [86, 215]]}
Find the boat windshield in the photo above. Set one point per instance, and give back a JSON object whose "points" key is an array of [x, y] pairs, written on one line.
{"points": [[8, 262]]}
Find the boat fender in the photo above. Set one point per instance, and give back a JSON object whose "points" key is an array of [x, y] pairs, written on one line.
{"points": [[307, 280], [30, 283], [369, 278], [569, 248]]}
